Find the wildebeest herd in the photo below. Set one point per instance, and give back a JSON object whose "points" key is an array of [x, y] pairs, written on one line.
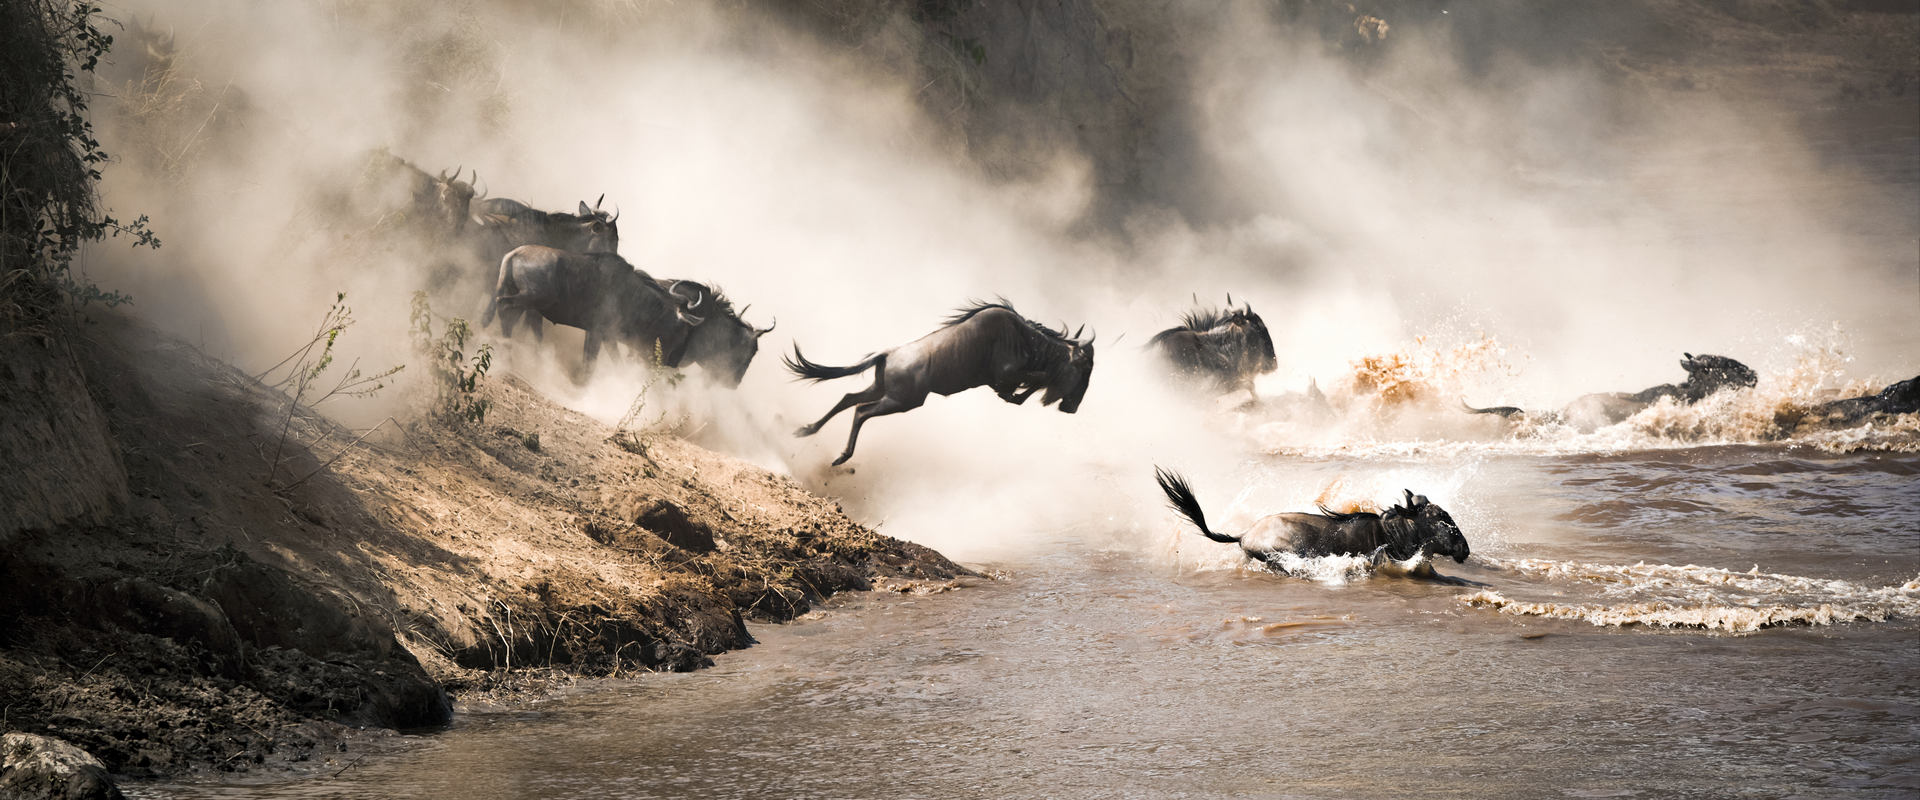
{"points": [[565, 268]]}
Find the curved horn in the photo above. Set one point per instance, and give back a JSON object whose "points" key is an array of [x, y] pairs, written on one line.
{"points": [[769, 329], [476, 180], [456, 172], [1409, 498], [616, 213]]}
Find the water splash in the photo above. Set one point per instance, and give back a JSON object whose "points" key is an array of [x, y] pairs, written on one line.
{"points": [[1702, 598], [1405, 404]]}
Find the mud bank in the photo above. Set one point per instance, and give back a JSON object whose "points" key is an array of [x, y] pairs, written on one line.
{"points": [[231, 616]]}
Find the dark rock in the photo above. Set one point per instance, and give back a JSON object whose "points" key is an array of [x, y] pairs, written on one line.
{"points": [[670, 522], [34, 767]]}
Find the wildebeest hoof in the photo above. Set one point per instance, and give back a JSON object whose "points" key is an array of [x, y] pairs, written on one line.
{"points": [[842, 459], [804, 431]]}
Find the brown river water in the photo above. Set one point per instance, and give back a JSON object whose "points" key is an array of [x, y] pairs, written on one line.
{"points": [[1727, 621]]}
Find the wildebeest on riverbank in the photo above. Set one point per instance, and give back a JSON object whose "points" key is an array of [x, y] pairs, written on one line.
{"points": [[1226, 349], [1415, 527], [612, 300], [399, 197], [1706, 374], [500, 225], [986, 344]]}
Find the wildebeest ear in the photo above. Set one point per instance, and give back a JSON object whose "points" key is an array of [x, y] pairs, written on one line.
{"points": [[1410, 502], [1420, 500], [584, 211]]}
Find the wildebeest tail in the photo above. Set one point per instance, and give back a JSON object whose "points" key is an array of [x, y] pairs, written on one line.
{"points": [[799, 365], [1504, 411], [1180, 496]]}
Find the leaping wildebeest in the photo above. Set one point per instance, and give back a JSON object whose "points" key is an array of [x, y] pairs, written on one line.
{"points": [[986, 344], [1706, 374], [1225, 348], [599, 293], [1414, 527]]}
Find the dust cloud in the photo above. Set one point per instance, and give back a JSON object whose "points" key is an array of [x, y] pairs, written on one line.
{"points": [[1594, 234]]}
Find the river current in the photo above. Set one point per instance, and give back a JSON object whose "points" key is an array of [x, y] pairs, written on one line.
{"points": [[1725, 621]]}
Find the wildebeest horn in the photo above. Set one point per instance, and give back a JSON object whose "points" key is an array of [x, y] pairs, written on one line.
{"points": [[1076, 334], [1229, 299], [476, 180], [1409, 498], [616, 213], [596, 203], [769, 329]]}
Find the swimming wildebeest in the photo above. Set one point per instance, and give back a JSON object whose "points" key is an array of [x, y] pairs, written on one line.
{"points": [[601, 294], [1415, 527], [1706, 374], [1897, 398], [986, 344], [1225, 348]]}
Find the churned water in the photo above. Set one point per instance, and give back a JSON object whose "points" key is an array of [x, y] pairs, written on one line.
{"points": [[1732, 621]]}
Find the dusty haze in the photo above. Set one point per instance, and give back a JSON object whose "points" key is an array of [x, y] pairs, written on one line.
{"points": [[1588, 231]]}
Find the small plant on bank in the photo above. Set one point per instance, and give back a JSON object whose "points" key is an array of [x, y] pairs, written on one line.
{"points": [[298, 376], [456, 377], [626, 435]]}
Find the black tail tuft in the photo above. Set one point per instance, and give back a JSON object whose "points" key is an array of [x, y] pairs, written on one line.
{"points": [[1508, 412], [799, 365], [1180, 497]]}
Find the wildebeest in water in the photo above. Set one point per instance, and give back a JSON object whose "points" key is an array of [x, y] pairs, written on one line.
{"points": [[1225, 348], [599, 293], [1415, 527], [1897, 398], [986, 344], [1706, 374]]}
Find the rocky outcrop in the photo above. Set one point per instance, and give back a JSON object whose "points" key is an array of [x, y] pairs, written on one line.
{"points": [[36, 767]]}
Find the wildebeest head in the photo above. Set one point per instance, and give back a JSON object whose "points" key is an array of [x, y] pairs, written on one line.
{"points": [[1427, 527], [452, 200], [1707, 374], [599, 231], [725, 344], [1259, 341], [1068, 383]]}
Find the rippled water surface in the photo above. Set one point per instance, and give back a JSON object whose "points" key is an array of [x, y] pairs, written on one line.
{"points": [[1150, 663]]}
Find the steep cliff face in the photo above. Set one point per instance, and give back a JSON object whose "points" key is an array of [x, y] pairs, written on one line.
{"points": [[61, 465]]}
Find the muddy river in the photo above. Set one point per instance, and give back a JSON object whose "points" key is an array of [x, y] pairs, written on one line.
{"points": [[1735, 621]]}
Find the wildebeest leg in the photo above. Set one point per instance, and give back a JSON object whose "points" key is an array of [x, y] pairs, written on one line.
{"points": [[535, 322], [588, 355], [860, 398], [887, 405], [509, 316]]}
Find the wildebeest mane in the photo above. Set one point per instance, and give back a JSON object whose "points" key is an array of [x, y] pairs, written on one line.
{"points": [[973, 307], [1040, 358]]}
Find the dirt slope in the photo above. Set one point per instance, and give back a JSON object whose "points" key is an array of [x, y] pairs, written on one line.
{"points": [[221, 621]]}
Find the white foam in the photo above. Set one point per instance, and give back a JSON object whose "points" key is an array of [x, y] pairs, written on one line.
{"points": [[1707, 598]]}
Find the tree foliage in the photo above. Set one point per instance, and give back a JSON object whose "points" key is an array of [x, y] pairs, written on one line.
{"points": [[50, 162]]}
